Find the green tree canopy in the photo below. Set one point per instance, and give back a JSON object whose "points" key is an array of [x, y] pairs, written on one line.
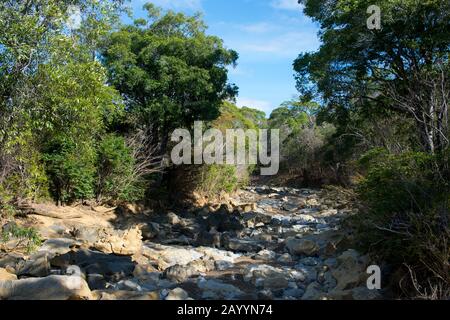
{"points": [[399, 67], [169, 71]]}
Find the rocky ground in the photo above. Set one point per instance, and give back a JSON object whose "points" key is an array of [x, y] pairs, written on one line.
{"points": [[262, 243]]}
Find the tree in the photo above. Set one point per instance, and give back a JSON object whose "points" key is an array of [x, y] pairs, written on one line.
{"points": [[169, 72], [53, 92], [404, 67]]}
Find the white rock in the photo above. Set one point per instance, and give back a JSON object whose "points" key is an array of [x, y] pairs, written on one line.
{"points": [[177, 294]]}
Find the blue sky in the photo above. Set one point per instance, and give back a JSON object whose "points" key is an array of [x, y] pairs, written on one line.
{"points": [[267, 34]]}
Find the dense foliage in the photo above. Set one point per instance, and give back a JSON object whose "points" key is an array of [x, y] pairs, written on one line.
{"points": [[386, 91], [85, 112]]}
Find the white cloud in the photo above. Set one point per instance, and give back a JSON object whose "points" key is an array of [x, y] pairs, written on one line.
{"points": [[284, 45], [286, 4], [178, 4], [262, 105]]}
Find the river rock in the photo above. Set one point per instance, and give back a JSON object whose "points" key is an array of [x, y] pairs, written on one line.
{"points": [[293, 293], [167, 256], [150, 231], [276, 282], [180, 273], [314, 292], [120, 242], [177, 294], [59, 245], [36, 266], [350, 270], [173, 219], [125, 295], [215, 289], [96, 281], [93, 262], [48, 288], [285, 258], [12, 260], [241, 245], [266, 255], [6, 275], [302, 246]]}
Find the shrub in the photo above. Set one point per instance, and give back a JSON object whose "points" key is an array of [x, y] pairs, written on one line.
{"points": [[28, 237], [214, 179], [71, 169], [406, 218], [116, 177]]}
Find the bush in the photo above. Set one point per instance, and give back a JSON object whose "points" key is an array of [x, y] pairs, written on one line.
{"points": [[115, 174], [397, 183], [214, 179], [71, 169], [28, 237], [406, 218]]}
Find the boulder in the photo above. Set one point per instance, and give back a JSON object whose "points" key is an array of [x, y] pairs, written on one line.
{"points": [[215, 289], [302, 246], [6, 275], [285, 258], [37, 265], [314, 292], [180, 273], [48, 288], [241, 245], [12, 260], [265, 255], [59, 245], [150, 231], [167, 256], [92, 262], [202, 266], [173, 219], [276, 282], [223, 221], [350, 270], [177, 294], [96, 281], [120, 242]]}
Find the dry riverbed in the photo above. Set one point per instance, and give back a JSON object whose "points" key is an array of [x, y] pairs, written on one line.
{"points": [[262, 243]]}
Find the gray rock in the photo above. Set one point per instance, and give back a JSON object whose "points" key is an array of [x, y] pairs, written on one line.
{"points": [[36, 266], [350, 271], [302, 247], [173, 218], [313, 292], [293, 293], [310, 261], [276, 282], [150, 231], [180, 273], [241, 245], [310, 273], [177, 294], [222, 265], [12, 260], [285, 258], [128, 285], [59, 245], [96, 281], [266, 255], [93, 262], [215, 289], [48, 288]]}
